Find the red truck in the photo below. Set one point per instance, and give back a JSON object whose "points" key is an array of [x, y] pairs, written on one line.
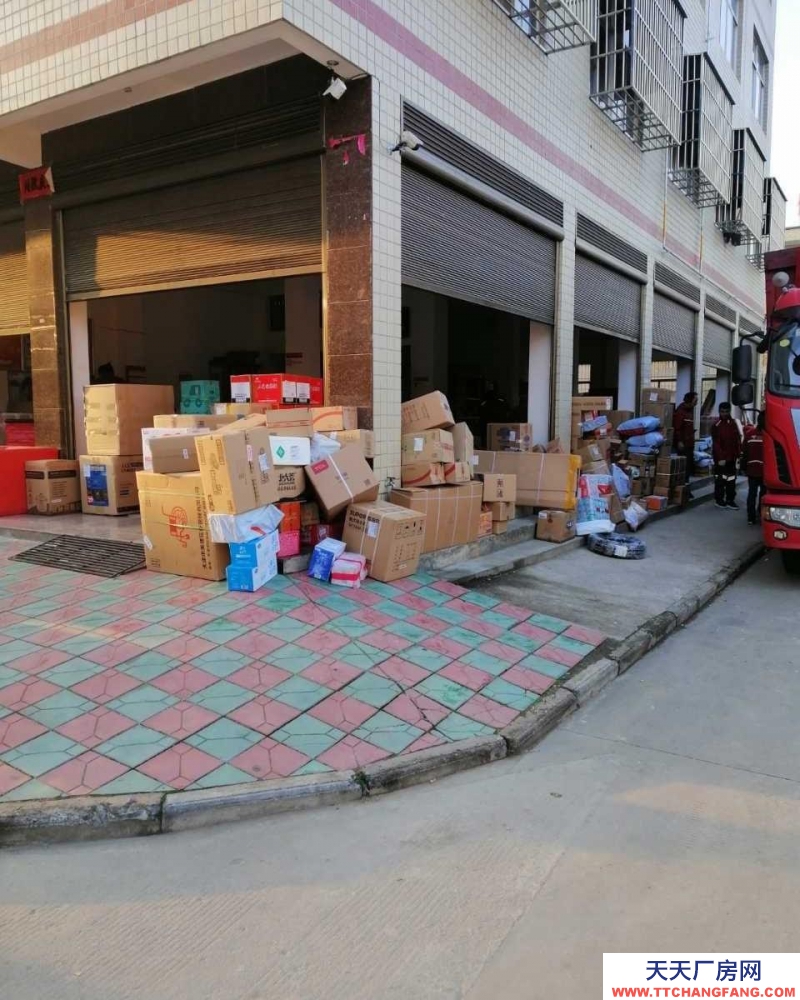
{"points": [[780, 342]]}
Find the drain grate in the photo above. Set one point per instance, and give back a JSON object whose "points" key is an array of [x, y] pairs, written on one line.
{"points": [[85, 555]]}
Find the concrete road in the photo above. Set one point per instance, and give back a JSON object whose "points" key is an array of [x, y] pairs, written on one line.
{"points": [[664, 816]]}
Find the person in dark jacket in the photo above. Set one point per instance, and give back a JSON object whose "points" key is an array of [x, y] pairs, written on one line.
{"points": [[754, 470], [683, 430], [727, 447]]}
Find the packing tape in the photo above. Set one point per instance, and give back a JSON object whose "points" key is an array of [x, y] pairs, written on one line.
{"points": [[346, 485]]}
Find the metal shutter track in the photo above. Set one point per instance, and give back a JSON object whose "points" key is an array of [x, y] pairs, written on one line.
{"points": [[673, 327], [717, 345], [456, 246], [254, 222], [607, 300], [14, 314]]}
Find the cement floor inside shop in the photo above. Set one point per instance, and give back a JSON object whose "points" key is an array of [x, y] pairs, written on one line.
{"points": [[126, 528], [616, 596]]}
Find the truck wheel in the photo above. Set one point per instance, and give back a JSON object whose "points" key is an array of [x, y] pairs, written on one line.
{"points": [[791, 561]]}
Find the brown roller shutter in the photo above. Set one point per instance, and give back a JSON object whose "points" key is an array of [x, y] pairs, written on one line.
{"points": [[607, 301], [673, 327], [254, 223], [717, 345], [14, 315]]}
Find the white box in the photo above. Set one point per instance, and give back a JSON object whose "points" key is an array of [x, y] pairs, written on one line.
{"points": [[290, 450]]}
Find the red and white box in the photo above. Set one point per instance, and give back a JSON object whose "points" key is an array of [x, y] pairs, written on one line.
{"points": [[349, 570], [278, 390]]}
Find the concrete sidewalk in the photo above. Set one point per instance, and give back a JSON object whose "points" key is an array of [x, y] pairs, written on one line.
{"points": [[617, 596]]}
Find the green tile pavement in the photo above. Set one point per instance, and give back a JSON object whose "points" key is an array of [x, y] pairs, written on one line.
{"points": [[445, 691], [225, 739], [135, 746], [373, 689], [308, 735], [388, 732]]}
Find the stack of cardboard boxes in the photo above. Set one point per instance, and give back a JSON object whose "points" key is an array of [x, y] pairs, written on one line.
{"points": [[114, 416], [437, 462], [499, 500], [199, 396]]}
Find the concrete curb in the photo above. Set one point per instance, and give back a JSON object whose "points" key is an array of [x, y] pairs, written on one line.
{"points": [[93, 818]]}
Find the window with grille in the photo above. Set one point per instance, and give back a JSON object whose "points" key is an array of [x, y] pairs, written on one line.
{"points": [[759, 83], [729, 31], [637, 69], [701, 162], [554, 26], [741, 219]]}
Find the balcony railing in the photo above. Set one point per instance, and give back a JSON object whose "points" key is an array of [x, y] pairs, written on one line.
{"points": [[554, 25], [701, 162], [637, 69], [742, 218], [773, 231]]}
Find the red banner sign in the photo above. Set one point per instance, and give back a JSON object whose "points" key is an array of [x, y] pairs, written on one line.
{"points": [[36, 183]]}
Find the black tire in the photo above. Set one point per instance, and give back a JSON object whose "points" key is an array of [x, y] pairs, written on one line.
{"points": [[617, 546], [791, 561]]}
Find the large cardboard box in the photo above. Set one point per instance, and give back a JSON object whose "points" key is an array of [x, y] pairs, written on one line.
{"points": [[555, 526], [543, 480], [423, 474], [510, 437], [586, 404], [424, 447], [364, 439], [457, 473], [502, 510], [295, 422], [463, 443], [391, 537], [343, 478], [426, 413], [334, 418], [291, 482], [277, 389], [52, 487], [108, 483], [594, 451], [617, 417], [180, 452], [163, 421], [236, 469], [499, 487], [291, 451], [663, 412], [452, 513], [199, 396], [652, 394], [114, 415], [175, 527]]}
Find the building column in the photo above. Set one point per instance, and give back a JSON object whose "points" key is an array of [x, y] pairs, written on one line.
{"points": [[646, 339], [347, 284], [49, 362], [628, 389], [685, 382], [699, 346], [564, 330], [540, 379]]}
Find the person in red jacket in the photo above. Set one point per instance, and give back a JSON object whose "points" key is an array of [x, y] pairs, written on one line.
{"points": [[683, 430], [754, 469], [727, 447]]}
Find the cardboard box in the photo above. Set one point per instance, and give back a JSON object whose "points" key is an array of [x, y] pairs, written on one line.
{"points": [[175, 527], [52, 487], [364, 439], [499, 527], [289, 544], [309, 514], [277, 389], [426, 413], [652, 394], [593, 451], [390, 536], [617, 417], [457, 473], [555, 526], [656, 503], [423, 474], [181, 452], [672, 465], [186, 420], [596, 468], [663, 412], [199, 396], [583, 404], [499, 487], [502, 510], [453, 513], [114, 415], [108, 483], [244, 527], [615, 512], [424, 447], [253, 564], [291, 481], [485, 523], [290, 450], [236, 468], [237, 410], [549, 481], [295, 422], [254, 551], [463, 443], [510, 437], [334, 418], [343, 478], [291, 515]]}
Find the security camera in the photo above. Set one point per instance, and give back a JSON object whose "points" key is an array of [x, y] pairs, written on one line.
{"points": [[408, 140], [336, 89]]}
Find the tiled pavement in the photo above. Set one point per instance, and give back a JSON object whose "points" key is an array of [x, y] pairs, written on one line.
{"points": [[152, 682]]}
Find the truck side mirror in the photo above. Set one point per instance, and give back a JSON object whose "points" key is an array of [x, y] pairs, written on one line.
{"points": [[743, 394], [742, 363]]}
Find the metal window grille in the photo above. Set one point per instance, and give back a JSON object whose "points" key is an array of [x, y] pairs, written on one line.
{"points": [[554, 25], [637, 69], [773, 224], [741, 218], [701, 161]]}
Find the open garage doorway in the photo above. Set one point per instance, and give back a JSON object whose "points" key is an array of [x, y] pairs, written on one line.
{"points": [[493, 366], [205, 332], [606, 366]]}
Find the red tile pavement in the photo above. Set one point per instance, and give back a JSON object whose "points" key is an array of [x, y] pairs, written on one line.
{"points": [[180, 765], [106, 686], [186, 647], [589, 635], [36, 663], [386, 641], [418, 709], [447, 647], [10, 778], [256, 645], [259, 677], [322, 642], [331, 673], [181, 720], [401, 671], [83, 774], [114, 653], [96, 727], [16, 729], [534, 632], [425, 741], [252, 615], [343, 712], [26, 692], [529, 680], [489, 712], [184, 680], [510, 654], [562, 656], [352, 753], [463, 673], [269, 759], [264, 714], [312, 615]]}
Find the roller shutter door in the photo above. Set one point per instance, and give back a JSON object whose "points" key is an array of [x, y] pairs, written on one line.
{"points": [[606, 300], [254, 223], [454, 245], [673, 327], [14, 315], [717, 345]]}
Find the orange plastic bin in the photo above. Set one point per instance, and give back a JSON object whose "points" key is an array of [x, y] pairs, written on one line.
{"points": [[12, 476]]}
